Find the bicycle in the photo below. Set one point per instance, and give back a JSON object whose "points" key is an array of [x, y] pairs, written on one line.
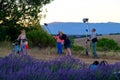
{"points": [[18, 48], [15, 47]]}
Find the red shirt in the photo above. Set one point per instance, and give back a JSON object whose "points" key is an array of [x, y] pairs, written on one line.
{"points": [[58, 39]]}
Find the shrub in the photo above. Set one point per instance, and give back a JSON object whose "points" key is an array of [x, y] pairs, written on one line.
{"points": [[71, 39], [13, 32], [77, 48], [40, 38], [2, 33], [106, 44]]}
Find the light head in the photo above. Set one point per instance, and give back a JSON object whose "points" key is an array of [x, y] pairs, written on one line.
{"points": [[85, 20]]}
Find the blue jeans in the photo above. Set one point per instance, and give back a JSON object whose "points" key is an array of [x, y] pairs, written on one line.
{"points": [[59, 47], [93, 45]]}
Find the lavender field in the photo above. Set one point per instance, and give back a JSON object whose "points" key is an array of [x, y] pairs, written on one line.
{"points": [[24, 67]]}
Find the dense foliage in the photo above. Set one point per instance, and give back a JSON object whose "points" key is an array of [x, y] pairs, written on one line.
{"points": [[16, 14], [76, 47], [105, 44], [13, 12], [2, 33], [39, 37], [24, 67]]}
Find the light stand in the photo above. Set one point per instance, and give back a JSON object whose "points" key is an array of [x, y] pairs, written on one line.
{"points": [[85, 20]]}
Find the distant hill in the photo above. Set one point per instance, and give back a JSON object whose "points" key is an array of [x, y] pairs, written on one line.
{"points": [[75, 28]]}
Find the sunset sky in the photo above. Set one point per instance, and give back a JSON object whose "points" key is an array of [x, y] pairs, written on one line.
{"points": [[76, 10]]}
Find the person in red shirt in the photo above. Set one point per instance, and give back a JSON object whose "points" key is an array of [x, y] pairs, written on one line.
{"points": [[59, 43], [66, 44]]}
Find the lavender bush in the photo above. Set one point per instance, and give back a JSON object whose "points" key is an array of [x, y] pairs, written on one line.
{"points": [[24, 67]]}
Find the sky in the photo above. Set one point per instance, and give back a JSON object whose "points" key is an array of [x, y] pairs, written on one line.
{"points": [[76, 10]]}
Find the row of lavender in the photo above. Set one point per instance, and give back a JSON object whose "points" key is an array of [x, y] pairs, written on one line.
{"points": [[24, 67]]}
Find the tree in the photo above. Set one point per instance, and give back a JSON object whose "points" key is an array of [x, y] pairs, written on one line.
{"points": [[17, 13], [13, 12]]}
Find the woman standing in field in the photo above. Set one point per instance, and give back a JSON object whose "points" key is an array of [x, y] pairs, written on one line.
{"points": [[22, 36], [23, 41]]}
